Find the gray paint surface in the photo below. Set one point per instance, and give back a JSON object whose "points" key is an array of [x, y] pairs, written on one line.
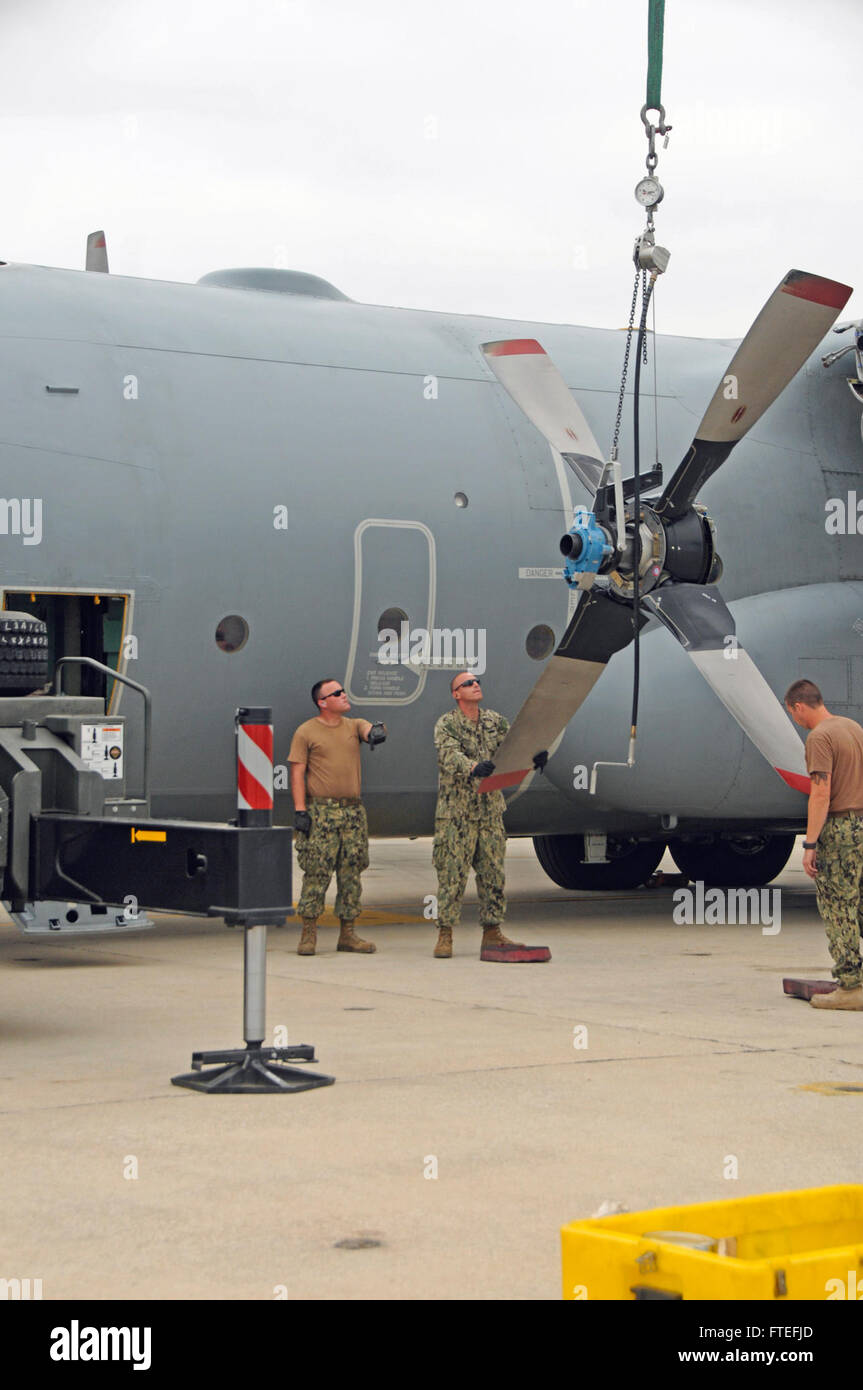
{"points": [[248, 400]]}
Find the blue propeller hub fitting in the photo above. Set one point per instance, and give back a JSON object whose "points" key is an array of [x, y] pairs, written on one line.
{"points": [[585, 546]]}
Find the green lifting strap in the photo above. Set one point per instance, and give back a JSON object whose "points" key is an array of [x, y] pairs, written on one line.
{"points": [[655, 21]]}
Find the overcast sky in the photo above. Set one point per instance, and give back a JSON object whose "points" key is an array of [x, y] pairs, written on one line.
{"points": [[477, 156]]}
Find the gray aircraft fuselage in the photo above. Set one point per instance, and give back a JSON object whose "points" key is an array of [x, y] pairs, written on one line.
{"points": [[302, 461]]}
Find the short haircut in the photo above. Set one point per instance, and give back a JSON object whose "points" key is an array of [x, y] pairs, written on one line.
{"points": [[455, 678], [803, 692], [316, 688]]}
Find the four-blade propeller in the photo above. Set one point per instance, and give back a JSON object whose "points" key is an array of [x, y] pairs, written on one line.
{"points": [[671, 542]]}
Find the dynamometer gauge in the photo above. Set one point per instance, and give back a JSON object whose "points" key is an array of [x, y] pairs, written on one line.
{"points": [[649, 192]]}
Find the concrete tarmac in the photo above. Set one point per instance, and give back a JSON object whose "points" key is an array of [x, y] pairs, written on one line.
{"points": [[477, 1107]]}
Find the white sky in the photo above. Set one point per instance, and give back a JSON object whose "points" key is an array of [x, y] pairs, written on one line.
{"points": [[477, 156]]}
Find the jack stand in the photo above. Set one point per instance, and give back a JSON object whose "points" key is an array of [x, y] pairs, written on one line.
{"points": [[258, 1070]]}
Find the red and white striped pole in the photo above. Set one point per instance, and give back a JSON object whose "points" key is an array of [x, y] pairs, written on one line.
{"points": [[254, 765], [254, 807]]}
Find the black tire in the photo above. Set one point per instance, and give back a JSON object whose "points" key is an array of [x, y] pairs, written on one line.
{"points": [[23, 653], [744, 861], [631, 862]]}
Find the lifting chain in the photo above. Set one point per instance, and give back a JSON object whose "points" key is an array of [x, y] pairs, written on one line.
{"points": [[640, 277]]}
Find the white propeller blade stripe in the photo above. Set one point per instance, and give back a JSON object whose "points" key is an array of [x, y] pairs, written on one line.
{"points": [[748, 698], [523, 366]]}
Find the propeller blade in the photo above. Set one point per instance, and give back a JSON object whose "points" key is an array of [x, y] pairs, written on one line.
{"points": [[537, 387], [599, 627], [788, 329], [699, 618], [97, 253]]}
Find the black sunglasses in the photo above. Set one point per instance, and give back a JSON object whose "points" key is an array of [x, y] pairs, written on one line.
{"points": [[472, 681], [331, 694]]}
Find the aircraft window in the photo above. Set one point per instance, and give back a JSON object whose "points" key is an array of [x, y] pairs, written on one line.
{"points": [[232, 633], [461, 499], [539, 642], [392, 618]]}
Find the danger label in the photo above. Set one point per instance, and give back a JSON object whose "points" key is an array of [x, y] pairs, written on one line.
{"points": [[102, 749]]}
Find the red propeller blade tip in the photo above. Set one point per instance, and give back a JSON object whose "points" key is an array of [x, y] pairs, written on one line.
{"points": [[502, 779], [817, 289], [514, 347]]}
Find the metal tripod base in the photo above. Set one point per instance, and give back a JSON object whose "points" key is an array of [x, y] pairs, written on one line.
{"points": [[254, 1070]]}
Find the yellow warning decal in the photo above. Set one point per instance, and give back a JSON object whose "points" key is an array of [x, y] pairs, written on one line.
{"points": [[148, 835]]}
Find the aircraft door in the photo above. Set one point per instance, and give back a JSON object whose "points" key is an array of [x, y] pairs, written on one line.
{"points": [[394, 589], [80, 623]]}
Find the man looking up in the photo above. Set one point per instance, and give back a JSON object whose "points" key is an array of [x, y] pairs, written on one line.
{"points": [[329, 817], [833, 848], [469, 829]]}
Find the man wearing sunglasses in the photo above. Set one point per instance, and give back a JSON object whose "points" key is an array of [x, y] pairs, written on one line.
{"points": [[469, 831], [332, 833]]}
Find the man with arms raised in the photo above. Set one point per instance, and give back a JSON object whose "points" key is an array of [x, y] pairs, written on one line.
{"points": [[469, 831]]}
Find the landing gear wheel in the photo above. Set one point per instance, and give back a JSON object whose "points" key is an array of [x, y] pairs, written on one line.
{"points": [[631, 862], [23, 653], [739, 861]]}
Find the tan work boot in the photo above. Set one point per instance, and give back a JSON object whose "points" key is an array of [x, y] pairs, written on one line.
{"points": [[839, 999], [443, 949], [349, 941], [493, 936], [308, 938]]}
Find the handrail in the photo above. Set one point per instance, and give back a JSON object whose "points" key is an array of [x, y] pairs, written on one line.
{"points": [[126, 680]]}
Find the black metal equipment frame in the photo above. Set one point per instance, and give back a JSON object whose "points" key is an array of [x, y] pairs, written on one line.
{"points": [[189, 867]]}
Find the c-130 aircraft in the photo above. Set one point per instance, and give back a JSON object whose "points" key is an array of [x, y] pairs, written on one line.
{"points": [[246, 484]]}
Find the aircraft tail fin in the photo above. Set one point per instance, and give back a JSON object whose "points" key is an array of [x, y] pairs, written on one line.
{"points": [[97, 253]]}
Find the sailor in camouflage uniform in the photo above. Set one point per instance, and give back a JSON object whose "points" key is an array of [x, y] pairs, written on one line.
{"points": [[469, 831]]}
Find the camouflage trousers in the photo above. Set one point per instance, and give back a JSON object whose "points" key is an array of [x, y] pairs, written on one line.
{"points": [[459, 846], [338, 842], [839, 861]]}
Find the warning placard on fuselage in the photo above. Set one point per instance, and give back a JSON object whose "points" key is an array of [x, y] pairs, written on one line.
{"points": [[102, 749]]}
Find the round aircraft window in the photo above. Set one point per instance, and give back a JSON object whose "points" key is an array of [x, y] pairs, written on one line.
{"points": [[232, 633], [391, 619], [461, 499], [539, 642]]}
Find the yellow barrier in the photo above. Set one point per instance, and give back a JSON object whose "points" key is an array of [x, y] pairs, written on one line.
{"points": [[783, 1245]]}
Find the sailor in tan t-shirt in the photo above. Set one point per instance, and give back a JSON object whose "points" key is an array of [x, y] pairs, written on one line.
{"points": [[329, 818], [833, 848]]}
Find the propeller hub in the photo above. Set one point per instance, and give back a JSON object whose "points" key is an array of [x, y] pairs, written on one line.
{"points": [[691, 547], [651, 567], [683, 550]]}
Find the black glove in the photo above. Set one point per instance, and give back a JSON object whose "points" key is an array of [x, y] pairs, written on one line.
{"points": [[302, 822], [540, 760], [484, 769], [377, 734]]}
